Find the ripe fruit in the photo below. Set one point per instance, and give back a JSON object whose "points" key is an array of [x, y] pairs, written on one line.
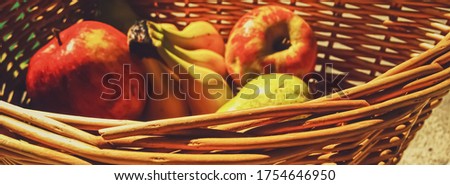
{"points": [[192, 54], [83, 72], [164, 93], [192, 48], [205, 89], [267, 90], [270, 36], [196, 35]]}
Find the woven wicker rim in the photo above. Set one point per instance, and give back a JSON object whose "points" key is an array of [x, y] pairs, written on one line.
{"points": [[372, 124]]}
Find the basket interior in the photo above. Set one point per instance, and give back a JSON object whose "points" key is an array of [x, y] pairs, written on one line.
{"points": [[358, 41]]}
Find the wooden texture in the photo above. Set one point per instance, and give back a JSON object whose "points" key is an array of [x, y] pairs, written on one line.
{"points": [[392, 56]]}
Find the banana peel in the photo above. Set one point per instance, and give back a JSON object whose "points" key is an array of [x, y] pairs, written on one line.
{"points": [[165, 100], [197, 35], [206, 90]]}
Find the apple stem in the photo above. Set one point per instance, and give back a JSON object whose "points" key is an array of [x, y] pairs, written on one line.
{"points": [[55, 32]]}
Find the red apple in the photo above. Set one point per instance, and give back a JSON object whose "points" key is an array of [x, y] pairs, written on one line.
{"points": [[270, 36], [71, 74]]}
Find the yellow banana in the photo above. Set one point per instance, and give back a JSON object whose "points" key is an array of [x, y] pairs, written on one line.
{"points": [[201, 57], [197, 35], [168, 26], [206, 90], [166, 100]]}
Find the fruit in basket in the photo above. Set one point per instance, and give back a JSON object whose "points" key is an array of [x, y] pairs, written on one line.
{"points": [[83, 71], [270, 39], [140, 44], [196, 35], [204, 58], [165, 98], [267, 90], [206, 90], [200, 70]]}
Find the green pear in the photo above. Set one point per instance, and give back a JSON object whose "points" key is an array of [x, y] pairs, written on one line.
{"points": [[267, 90]]}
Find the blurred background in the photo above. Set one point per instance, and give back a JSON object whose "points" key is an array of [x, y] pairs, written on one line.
{"points": [[116, 13]]}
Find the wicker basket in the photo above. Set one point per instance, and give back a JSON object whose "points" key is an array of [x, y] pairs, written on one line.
{"points": [[396, 54]]}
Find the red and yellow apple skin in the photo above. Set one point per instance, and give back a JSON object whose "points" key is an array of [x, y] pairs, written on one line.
{"points": [[68, 78], [250, 46]]}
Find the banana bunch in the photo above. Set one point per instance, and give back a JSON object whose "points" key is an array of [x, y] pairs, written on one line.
{"points": [[197, 35], [199, 43], [165, 99], [195, 56]]}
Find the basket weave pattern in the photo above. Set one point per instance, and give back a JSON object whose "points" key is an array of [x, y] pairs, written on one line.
{"points": [[396, 55]]}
